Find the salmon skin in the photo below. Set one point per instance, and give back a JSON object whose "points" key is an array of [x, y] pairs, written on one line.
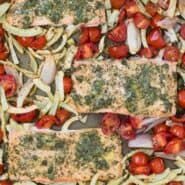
{"points": [[49, 157], [135, 87], [27, 13]]}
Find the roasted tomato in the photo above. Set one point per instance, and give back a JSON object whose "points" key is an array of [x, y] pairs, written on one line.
{"points": [[122, 16], [140, 159], [110, 123], [119, 33], [94, 34], [182, 31], [178, 119], [6, 182], [175, 183], [163, 3], [155, 39], [160, 128], [25, 41], [151, 8], [38, 43], [118, 52], [117, 4], [8, 82], [62, 116], [181, 98], [141, 21], [1, 169], [139, 170], [131, 8], [68, 84], [155, 20], [136, 122], [46, 121], [157, 165], [148, 52], [159, 141], [25, 118], [126, 130], [174, 146], [84, 35], [178, 131], [171, 53], [1, 135], [2, 69]]}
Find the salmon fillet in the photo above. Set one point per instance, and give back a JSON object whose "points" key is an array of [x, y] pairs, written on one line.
{"points": [[49, 157], [26, 13], [135, 87]]}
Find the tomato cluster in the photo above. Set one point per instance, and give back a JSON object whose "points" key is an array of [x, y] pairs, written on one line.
{"points": [[168, 139], [140, 164]]}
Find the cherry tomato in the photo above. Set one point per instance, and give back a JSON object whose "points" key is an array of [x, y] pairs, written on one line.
{"points": [[46, 121], [25, 118], [84, 36], [131, 8], [160, 128], [2, 32], [163, 3], [25, 41], [175, 183], [148, 52], [8, 82], [159, 141], [3, 55], [155, 20], [155, 39], [181, 98], [151, 8], [1, 135], [122, 16], [110, 123], [178, 131], [117, 4], [1, 169], [141, 21], [171, 53], [118, 52], [136, 122], [182, 31], [119, 33], [174, 146], [38, 43], [94, 34], [139, 170], [2, 69], [140, 159], [62, 116], [126, 130], [178, 120], [157, 165], [68, 84], [6, 182]]}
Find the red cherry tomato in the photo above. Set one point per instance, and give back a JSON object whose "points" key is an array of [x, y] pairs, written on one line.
{"points": [[148, 52], [155, 39], [157, 165], [8, 82], [1, 135], [84, 35], [174, 146], [1, 169], [141, 21], [181, 98], [178, 131], [2, 69], [117, 4], [2, 32], [163, 3], [38, 43], [182, 31], [140, 159], [6, 182], [151, 8], [155, 20], [119, 33], [126, 130], [159, 141], [110, 123], [25, 41], [3, 51], [46, 121], [122, 16], [118, 52], [25, 118], [68, 84], [171, 53], [136, 122], [131, 8], [139, 170], [178, 120], [62, 116], [160, 128], [175, 183], [94, 34]]}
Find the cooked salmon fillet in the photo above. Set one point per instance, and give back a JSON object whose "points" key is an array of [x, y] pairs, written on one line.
{"points": [[25, 13], [135, 87], [49, 157]]}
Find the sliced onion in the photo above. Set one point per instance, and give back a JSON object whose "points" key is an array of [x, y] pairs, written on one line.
{"points": [[170, 156], [167, 22], [181, 6], [141, 141], [22, 110]]}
